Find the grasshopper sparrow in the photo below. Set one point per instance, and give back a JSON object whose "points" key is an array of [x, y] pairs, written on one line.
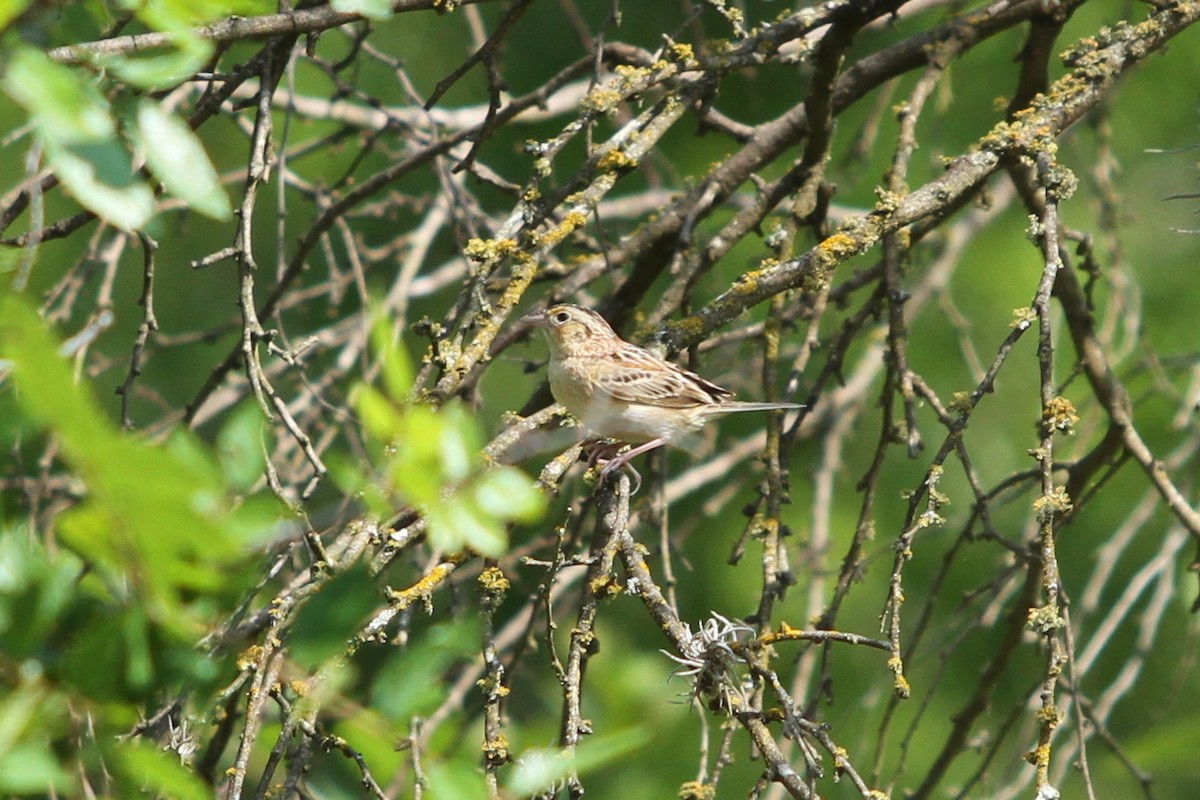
{"points": [[620, 391]]}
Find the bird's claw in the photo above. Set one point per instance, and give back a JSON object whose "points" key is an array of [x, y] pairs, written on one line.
{"points": [[613, 459], [611, 468]]}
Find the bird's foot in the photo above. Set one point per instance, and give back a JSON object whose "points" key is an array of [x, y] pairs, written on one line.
{"points": [[602, 451], [615, 465]]}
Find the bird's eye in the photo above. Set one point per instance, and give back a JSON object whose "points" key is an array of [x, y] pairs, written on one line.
{"points": [[561, 317]]}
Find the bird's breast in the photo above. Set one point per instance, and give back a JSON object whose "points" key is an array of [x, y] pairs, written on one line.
{"points": [[575, 387], [570, 385]]}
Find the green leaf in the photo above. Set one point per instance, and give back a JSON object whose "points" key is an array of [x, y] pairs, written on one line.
{"points": [[381, 419], [139, 663], [416, 470], [458, 779], [396, 367], [14, 425], [257, 520], [30, 716], [240, 447], [157, 522], [599, 751], [187, 52], [92, 174], [176, 157], [164, 70], [10, 10], [395, 694], [320, 630], [349, 474], [372, 9], [457, 523], [508, 493], [66, 107], [539, 770], [173, 15], [93, 660], [35, 590], [10, 260], [454, 446], [18, 712], [30, 768], [458, 416], [147, 769], [48, 394]]}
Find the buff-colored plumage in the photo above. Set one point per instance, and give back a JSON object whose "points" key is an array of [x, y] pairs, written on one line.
{"points": [[620, 391]]}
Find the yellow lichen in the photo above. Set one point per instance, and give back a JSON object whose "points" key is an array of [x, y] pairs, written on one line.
{"points": [[1023, 317], [482, 250], [695, 790], [604, 586], [888, 201], [682, 53], [839, 246], [496, 750], [1060, 415], [1057, 501], [1048, 715], [614, 160], [493, 580], [1039, 755], [601, 99], [1044, 619], [491, 686], [746, 283], [249, 657], [552, 237]]}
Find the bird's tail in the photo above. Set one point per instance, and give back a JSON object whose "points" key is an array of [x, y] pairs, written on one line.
{"points": [[738, 405]]}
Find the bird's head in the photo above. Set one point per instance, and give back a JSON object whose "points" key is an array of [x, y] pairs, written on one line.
{"points": [[571, 329]]}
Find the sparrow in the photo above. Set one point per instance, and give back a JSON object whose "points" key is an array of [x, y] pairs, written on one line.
{"points": [[620, 391]]}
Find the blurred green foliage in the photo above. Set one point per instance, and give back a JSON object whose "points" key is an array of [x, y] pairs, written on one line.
{"points": [[78, 126], [108, 621], [101, 619], [432, 459]]}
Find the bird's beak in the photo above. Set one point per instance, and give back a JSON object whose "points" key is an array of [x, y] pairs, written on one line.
{"points": [[536, 318]]}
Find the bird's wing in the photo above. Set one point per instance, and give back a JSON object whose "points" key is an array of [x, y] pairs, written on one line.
{"points": [[641, 377]]}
